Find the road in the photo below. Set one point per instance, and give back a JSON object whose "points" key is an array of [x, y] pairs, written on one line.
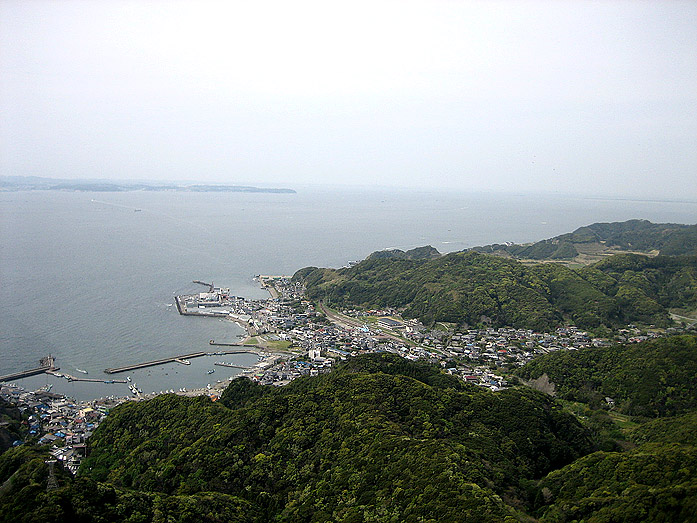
{"points": [[693, 320]]}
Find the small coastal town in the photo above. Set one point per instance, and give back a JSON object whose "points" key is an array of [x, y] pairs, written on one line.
{"points": [[294, 337], [307, 339]]}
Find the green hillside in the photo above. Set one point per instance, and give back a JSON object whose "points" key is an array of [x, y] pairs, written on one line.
{"points": [[669, 239], [419, 253], [652, 483], [655, 481], [11, 428], [655, 378], [474, 289]]}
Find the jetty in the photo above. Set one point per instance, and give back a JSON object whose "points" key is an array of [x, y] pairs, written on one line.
{"points": [[224, 364], [209, 285], [91, 380], [223, 344], [46, 364], [152, 363]]}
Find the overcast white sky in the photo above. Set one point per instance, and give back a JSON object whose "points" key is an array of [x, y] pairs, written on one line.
{"points": [[582, 96]]}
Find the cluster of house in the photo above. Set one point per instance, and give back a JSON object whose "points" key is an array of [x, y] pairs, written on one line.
{"points": [[58, 421], [475, 355]]}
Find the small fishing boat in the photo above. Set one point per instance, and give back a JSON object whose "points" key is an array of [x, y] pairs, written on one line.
{"points": [[80, 370]]}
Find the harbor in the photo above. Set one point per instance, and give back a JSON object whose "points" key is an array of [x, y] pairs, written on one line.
{"points": [[212, 302]]}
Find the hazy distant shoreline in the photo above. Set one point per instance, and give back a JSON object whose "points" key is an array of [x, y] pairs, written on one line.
{"points": [[32, 183]]}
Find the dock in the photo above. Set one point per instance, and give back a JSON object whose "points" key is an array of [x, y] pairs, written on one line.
{"points": [[152, 363], [91, 380], [46, 364], [181, 307]]}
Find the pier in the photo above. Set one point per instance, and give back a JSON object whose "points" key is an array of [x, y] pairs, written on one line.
{"points": [[91, 380], [267, 283], [46, 364], [152, 363]]}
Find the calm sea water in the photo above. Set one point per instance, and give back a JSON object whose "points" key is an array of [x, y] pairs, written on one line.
{"points": [[85, 277]]}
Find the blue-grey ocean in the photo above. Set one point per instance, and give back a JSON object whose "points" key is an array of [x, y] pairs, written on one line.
{"points": [[87, 278]]}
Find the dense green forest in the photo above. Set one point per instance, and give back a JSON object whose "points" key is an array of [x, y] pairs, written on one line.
{"points": [[655, 478], [419, 253], [655, 481], [11, 428], [668, 239], [473, 289], [655, 378], [385, 439]]}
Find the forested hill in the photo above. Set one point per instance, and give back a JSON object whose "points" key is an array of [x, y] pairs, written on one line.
{"points": [[379, 439], [476, 289], [668, 239], [655, 478], [653, 379]]}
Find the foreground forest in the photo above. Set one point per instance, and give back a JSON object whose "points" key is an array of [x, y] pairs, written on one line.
{"points": [[384, 439]]}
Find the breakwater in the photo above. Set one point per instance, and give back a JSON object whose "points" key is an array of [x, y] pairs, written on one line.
{"points": [[205, 284], [76, 378], [223, 364], [224, 344], [152, 363], [46, 364]]}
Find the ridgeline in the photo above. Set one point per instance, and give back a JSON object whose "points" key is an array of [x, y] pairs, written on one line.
{"points": [[472, 289]]}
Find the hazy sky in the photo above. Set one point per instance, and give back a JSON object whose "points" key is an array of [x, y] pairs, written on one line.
{"points": [[597, 97]]}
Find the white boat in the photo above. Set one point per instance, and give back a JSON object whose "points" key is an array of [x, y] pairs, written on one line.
{"points": [[80, 370]]}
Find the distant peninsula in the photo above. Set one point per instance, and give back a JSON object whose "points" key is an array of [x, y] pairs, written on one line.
{"points": [[35, 183]]}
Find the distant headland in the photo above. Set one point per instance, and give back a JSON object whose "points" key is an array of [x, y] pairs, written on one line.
{"points": [[35, 183]]}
